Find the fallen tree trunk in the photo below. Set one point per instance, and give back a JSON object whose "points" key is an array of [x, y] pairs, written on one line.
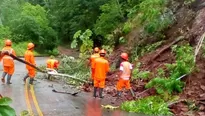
{"points": [[175, 102], [167, 47]]}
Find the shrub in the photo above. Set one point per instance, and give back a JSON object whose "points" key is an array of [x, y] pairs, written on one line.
{"points": [[184, 65], [5, 109], [152, 105]]}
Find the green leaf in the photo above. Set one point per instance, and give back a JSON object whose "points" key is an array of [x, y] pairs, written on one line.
{"points": [[77, 34], [5, 101], [74, 44], [7, 111]]}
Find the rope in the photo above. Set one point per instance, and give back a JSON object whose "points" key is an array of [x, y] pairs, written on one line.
{"points": [[198, 47]]}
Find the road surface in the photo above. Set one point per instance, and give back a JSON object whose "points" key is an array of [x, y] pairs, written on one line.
{"points": [[39, 99]]}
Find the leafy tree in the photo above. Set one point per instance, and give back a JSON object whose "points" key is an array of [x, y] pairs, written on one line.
{"points": [[87, 43], [111, 16], [67, 17], [32, 24]]}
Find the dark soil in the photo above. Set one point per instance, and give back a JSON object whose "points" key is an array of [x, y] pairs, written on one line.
{"points": [[190, 24]]}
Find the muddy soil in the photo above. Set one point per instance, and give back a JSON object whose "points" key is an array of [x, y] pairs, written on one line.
{"points": [[190, 24]]}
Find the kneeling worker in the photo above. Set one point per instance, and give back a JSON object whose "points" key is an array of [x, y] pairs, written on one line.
{"points": [[125, 75], [52, 64]]}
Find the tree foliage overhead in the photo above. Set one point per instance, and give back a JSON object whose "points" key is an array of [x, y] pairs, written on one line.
{"points": [[48, 22], [22, 21]]}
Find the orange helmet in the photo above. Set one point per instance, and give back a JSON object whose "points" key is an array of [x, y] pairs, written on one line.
{"points": [[96, 49], [124, 56], [8, 42], [30, 46], [102, 51]]}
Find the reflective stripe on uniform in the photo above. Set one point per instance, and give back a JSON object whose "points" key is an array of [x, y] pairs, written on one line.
{"points": [[126, 68]]}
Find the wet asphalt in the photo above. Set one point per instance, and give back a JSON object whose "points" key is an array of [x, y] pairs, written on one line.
{"points": [[42, 101]]}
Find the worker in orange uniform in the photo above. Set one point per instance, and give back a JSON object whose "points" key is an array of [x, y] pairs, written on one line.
{"points": [[125, 75], [52, 64], [92, 58], [101, 68], [8, 62], [29, 57]]}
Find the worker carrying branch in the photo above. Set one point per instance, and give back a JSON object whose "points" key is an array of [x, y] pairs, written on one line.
{"points": [[92, 58], [29, 57], [101, 67], [8, 62], [52, 63], [125, 75]]}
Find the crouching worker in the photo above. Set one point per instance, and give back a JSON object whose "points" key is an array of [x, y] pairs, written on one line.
{"points": [[29, 57], [101, 68], [125, 75], [52, 63], [8, 61]]}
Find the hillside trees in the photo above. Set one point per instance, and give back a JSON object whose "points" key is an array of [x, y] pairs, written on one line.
{"points": [[25, 22], [67, 17]]}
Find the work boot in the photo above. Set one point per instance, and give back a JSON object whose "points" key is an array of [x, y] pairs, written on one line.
{"points": [[3, 77], [9, 79], [24, 79], [31, 81], [132, 92], [119, 94], [2, 80], [92, 82], [100, 93], [49, 77], [94, 93]]}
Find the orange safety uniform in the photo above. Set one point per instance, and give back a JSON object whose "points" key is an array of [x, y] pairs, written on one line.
{"points": [[92, 58], [101, 67], [29, 57], [8, 61], [52, 63], [124, 80]]}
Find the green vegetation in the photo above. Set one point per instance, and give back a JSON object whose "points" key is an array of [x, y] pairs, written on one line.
{"points": [[184, 65], [84, 24], [5, 109], [19, 48], [166, 83], [137, 74], [71, 65], [48, 23], [22, 21], [152, 105], [87, 43]]}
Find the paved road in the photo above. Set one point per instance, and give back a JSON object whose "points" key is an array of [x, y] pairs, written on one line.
{"points": [[39, 99]]}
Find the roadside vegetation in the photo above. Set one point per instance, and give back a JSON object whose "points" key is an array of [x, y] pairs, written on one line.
{"points": [[5, 109], [108, 24]]}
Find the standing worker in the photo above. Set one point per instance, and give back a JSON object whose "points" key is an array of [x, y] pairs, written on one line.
{"points": [[29, 57], [52, 64], [125, 75], [8, 62], [92, 58], [101, 68]]}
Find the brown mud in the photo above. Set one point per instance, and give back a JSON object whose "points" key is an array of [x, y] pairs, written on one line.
{"points": [[190, 24]]}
